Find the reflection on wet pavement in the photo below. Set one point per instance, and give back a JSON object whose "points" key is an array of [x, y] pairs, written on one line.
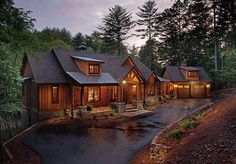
{"points": [[114, 144]]}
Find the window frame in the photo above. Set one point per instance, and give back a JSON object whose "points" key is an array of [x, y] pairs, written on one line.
{"points": [[52, 95], [94, 66], [99, 94], [192, 74]]}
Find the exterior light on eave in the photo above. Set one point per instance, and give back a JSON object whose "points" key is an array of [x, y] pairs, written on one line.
{"points": [[175, 85], [124, 82], [208, 85]]}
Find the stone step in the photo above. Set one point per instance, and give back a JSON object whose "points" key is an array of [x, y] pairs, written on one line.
{"points": [[129, 106], [131, 110]]}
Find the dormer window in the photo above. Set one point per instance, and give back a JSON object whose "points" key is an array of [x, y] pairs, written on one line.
{"points": [[192, 74], [94, 69]]}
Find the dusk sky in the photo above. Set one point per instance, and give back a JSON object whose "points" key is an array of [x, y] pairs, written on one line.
{"points": [[80, 15]]}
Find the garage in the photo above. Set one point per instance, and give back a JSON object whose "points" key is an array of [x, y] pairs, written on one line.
{"points": [[183, 91], [198, 90]]}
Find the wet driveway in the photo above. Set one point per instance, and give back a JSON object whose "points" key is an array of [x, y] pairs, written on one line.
{"points": [[117, 143]]}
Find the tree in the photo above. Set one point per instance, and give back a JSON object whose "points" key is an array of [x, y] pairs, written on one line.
{"points": [[77, 40], [147, 17], [114, 30], [134, 52], [148, 55]]}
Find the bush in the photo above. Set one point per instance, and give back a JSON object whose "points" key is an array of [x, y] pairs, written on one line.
{"points": [[175, 134], [89, 108], [188, 123], [200, 115]]}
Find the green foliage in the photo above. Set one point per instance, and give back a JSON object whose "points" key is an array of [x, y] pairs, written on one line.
{"points": [[114, 30], [89, 108], [200, 115], [175, 134], [148, 55], [227, 75], [188, 123], [147, 17]]}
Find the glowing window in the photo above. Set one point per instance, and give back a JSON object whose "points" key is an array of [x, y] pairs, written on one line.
{"points": [[94, 69], [93, 94], [55, 94]]}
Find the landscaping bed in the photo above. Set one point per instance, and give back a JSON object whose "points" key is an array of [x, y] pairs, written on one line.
{"points": [[206, 137]]}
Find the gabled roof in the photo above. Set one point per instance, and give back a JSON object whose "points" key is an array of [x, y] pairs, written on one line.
{"points": [[146, 72], [190, 68], [58, 66], [112, 65], [162, 79], [46, 69], [87, 59], [83, 79], [176, 75]]}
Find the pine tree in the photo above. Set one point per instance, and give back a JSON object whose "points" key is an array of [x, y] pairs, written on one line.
{"points": [[114, 30], [147, 17]]}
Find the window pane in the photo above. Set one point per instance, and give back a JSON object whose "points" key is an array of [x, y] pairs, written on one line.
{"points": [[55, 94]]}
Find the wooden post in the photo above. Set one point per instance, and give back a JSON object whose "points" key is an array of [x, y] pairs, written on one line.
{"points": [[81, 95]]}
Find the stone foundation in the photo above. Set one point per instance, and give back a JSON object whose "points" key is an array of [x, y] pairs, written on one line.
{"points": [[158, 151]]}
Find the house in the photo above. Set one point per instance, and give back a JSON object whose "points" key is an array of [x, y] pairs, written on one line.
{"points": [[71, 79], [187, 81]]}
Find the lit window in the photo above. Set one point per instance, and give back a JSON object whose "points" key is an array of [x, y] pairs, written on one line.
{"points": [[114, 92], [93, 94], [55, 94], [192, 74], [94, 69]]}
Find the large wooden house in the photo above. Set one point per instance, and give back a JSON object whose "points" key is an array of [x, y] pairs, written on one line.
{"points": [[69, 79], [187, 81]]}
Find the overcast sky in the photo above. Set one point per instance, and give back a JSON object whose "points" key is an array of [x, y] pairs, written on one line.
{"points": [[80, 15]]}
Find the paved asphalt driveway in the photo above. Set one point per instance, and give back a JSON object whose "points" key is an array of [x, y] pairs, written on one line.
{"points": [[115, 144]]}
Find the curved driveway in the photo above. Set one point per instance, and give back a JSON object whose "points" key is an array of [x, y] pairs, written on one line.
{"points": [[115, 144]]}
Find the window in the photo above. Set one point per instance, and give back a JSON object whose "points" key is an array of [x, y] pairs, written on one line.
{"points": [[114, 92], [192, 74], [151, 89], [94, 94], [134, 88], [55, 94], [94, 69]]}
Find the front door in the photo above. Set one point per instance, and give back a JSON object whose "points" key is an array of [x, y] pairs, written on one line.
{"points": [[130, 93]]}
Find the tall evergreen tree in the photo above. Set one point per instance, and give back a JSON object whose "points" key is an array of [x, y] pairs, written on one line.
{"points": [[114, 30], [148, 53], [147, 17]]}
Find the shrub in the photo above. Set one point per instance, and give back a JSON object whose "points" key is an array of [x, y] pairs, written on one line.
{"points": [[89, 108], [188, 123], [200, 115], [175, 134]]}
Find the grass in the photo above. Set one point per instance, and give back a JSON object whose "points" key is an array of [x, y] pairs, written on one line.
{"points": [[188, 123]]}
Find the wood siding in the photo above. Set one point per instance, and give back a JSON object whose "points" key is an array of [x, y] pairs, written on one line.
{"points": [[84, 65], [27, 72], [45, 98]]}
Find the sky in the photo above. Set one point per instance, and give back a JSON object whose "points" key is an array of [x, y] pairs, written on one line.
{"points": [[80, 15]]}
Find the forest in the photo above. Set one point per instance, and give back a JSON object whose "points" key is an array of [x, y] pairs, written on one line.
{"points": [[200, 32]]}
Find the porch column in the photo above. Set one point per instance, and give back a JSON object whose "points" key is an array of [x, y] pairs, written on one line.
{"points": [[81, 95]]}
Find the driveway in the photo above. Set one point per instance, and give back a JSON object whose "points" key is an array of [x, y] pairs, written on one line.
{"points": [[117, 143]]}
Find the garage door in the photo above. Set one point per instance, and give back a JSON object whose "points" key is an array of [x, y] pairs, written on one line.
{"points": [[199, 90], [183, 91]]}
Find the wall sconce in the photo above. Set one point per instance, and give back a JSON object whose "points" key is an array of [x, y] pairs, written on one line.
{"points": [[124, 82], [208, 85], [175, 85]]}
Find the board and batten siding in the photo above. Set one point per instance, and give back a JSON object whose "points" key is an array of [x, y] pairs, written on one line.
{"points": [[45, 97]]}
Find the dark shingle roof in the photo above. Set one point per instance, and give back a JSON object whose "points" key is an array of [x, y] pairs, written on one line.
{"points": [[46, 69], [162, 79], [57, 66], [112, 64], [176, 75], [81, 78], [146, 72]]}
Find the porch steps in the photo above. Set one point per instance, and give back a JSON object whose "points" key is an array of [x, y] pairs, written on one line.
{"points": [[131, 110]]}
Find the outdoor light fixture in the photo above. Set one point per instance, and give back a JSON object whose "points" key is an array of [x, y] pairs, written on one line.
{"points": [[123, 81], [175, 85], [208, 85]]}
